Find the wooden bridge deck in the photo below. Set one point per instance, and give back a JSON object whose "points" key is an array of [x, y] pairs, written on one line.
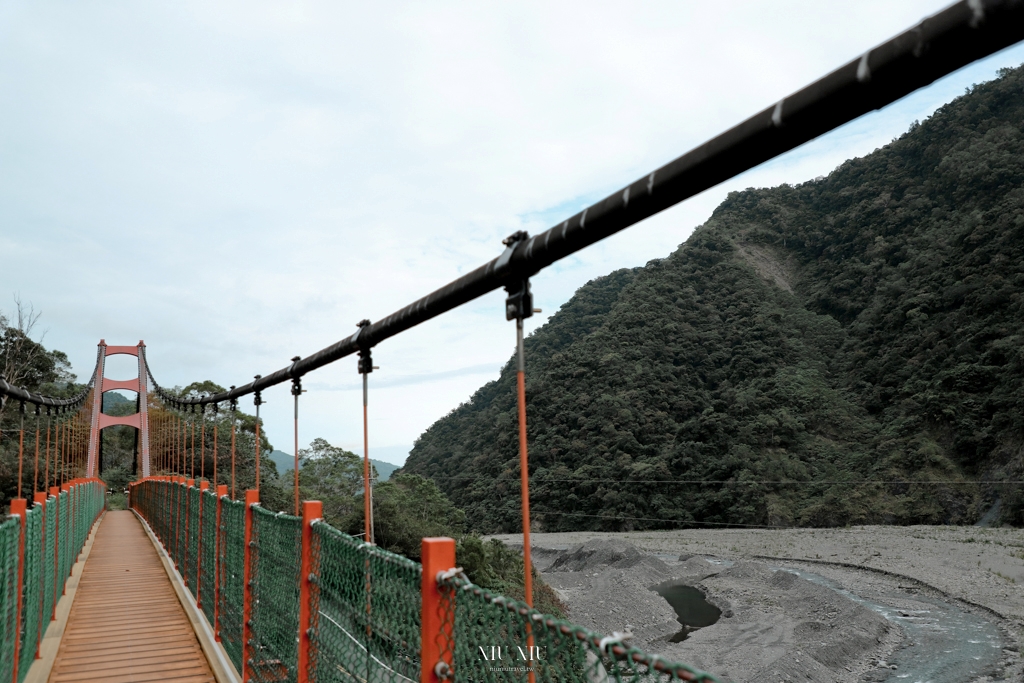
{"points": [[126, 624]]}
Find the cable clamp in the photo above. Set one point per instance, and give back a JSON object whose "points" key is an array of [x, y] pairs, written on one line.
{"points": [[510, 242], [615, 638], [365, 365], [443, 671], [450, 574], [519, 303]]}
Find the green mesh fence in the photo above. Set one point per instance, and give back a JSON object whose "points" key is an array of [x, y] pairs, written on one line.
{"points": [[208, 553], [69, 537], [171, 539], [190, 571], [49, 553], [78, 525], [75, 528], [180, 528], [63, 537], [365, 607], [158, 510], [84, 517], [360, 634], [232, 574], [31, 589], [276, 552], [10, 532], [497, 639], [48, 557]]}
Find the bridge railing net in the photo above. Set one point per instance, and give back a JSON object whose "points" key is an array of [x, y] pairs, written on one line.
{"points": [[10, 530], [180, 540], [208, 553], [42, 555], [276, 553], [63, 536], [32, 588], [231, 577], [192, 522], [49, 575], [365, 609], [494, 638]]}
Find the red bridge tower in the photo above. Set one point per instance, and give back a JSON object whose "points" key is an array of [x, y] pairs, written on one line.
{"points": [[139, 420]]}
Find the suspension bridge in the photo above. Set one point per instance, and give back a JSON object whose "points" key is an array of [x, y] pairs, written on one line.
{"points": [[197, 581]]}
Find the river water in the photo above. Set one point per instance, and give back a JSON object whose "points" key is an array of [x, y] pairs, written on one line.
{"points": [[945, 644]]}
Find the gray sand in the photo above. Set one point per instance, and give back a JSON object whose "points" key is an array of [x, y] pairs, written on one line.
{"points": [[779, 627]]}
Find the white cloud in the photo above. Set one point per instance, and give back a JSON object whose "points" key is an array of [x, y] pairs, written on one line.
{"points": [[237, 183]]}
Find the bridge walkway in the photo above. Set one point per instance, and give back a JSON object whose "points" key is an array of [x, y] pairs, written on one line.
{"points": [[126, 623]]}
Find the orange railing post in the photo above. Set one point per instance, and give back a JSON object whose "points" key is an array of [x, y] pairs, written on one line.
{"points": [[222, 490], [312, 510], [203, 485], [438, 556], [252, 497], [19, 508]]}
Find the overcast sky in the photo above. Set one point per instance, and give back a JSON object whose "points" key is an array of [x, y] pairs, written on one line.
{"points": [[240, 183]]}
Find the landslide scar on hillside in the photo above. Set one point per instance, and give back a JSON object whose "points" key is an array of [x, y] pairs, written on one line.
{"points": [[767, 262]]}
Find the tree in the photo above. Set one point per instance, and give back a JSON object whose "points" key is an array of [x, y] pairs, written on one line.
{"points": [[331, 475], [25, 362], [407, 508]]}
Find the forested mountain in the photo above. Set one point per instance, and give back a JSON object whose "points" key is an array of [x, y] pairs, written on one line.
{"points": [[843, 351]]}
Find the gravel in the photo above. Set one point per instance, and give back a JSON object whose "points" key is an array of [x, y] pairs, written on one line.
{"points": [[778, 627]]}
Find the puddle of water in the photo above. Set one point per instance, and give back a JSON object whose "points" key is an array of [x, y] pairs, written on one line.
{"points": [[946, 644], [691, 607]]}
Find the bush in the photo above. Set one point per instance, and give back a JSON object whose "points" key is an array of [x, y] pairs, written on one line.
{"points": [[408, 508]]}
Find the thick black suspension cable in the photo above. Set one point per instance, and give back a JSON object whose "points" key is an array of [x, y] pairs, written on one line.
{"points": [[937, 46], [26, 396]]}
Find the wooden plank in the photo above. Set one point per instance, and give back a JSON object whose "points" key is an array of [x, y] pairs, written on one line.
{"points": [[126, 624], [158, 637], [153, 656]]}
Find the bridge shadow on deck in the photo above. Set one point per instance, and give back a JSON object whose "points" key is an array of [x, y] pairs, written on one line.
{"points": [[126, 623]]}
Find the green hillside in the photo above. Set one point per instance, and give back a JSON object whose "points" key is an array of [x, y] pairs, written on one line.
{"points": [[846, 350]]}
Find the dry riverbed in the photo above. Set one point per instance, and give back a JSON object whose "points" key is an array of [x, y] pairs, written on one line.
{"points": [[861, 604]]}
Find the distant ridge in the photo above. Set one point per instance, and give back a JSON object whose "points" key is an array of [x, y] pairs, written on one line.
{"points": [[286, 461]]}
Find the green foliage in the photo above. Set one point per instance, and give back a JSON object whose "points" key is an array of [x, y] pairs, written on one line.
{"points": [[119, 450], [493, 565], [273, 495], [406, 509], [333, 476], [805, 354], [117, 500], [26, 363]]}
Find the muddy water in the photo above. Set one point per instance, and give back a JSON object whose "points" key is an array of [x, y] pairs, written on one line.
{"points": [[945, 644], [691, 607]]}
